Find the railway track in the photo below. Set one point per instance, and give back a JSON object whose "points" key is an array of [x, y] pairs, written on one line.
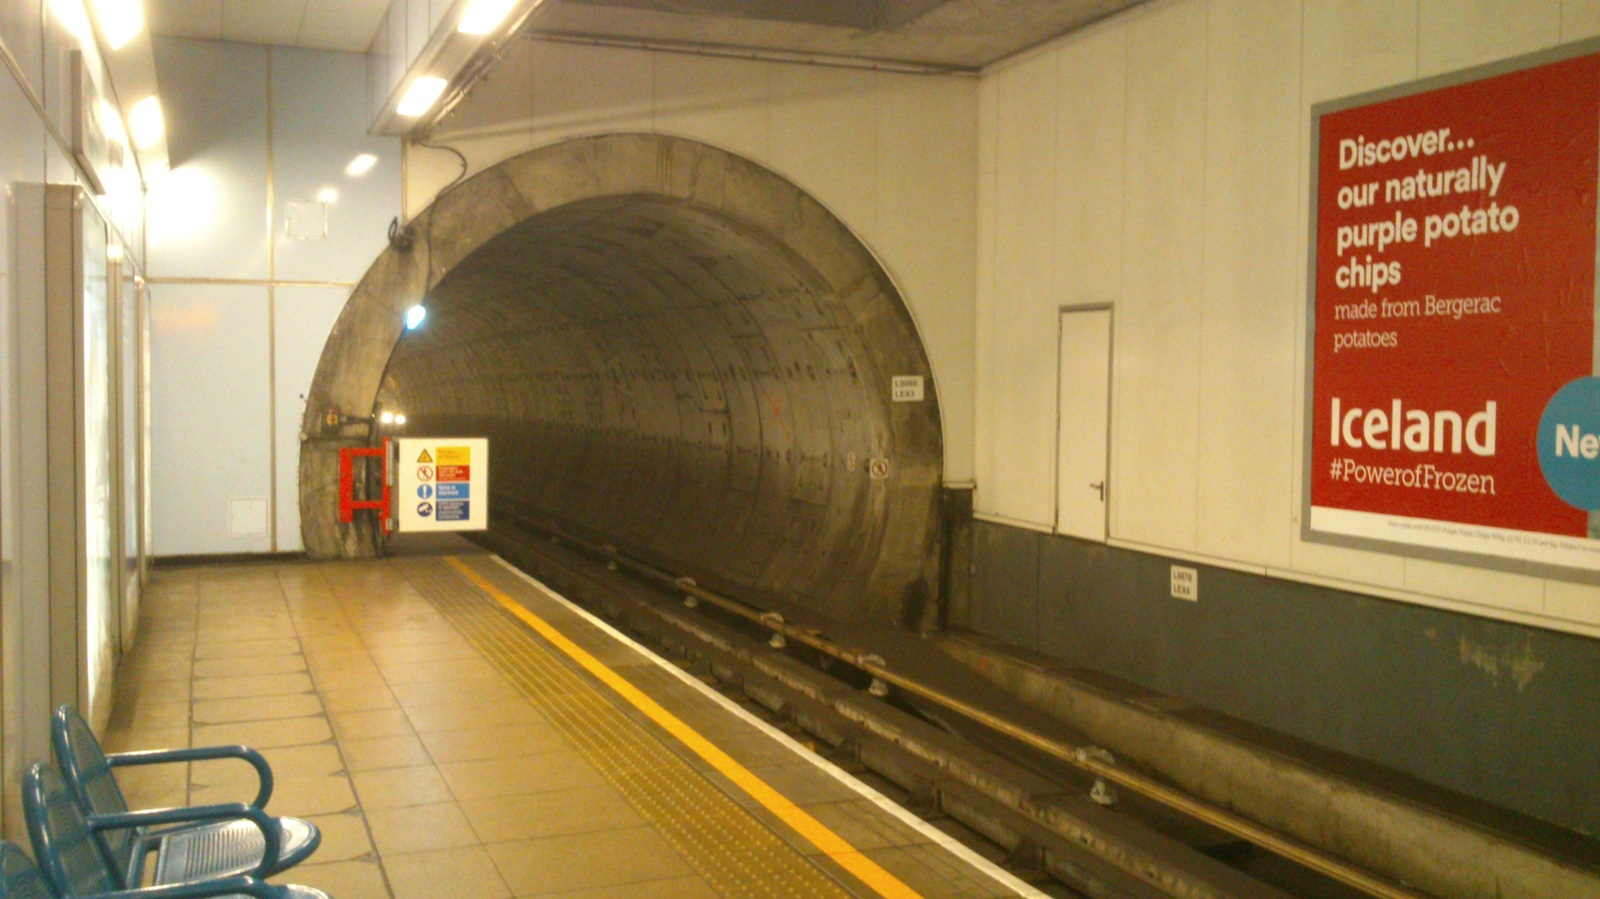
{"points": [[1056, 811]]}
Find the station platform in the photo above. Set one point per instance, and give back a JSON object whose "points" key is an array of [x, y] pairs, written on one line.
{"points": [[459, 731]]}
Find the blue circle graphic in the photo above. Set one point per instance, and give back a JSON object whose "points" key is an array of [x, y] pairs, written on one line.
{"points": [[425, 491], [425, 509], [1569, 443]]}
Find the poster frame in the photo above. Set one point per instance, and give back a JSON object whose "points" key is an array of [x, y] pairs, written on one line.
{"points": [[1505, 563]]}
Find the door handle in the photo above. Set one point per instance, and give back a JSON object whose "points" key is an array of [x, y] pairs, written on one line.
{"points": [[1100, 486]]}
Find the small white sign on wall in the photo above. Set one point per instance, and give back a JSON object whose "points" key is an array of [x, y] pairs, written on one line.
{"points": [[441, 484], [1185, 583], [906, 388]]}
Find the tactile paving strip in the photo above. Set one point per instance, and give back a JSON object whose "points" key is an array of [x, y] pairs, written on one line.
{"points": [[731, 849]]}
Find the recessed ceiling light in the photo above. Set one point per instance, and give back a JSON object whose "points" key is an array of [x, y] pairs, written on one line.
{"points": [[361, 165], [146, 122], [420, 96], [483, 16], [120, 21]]}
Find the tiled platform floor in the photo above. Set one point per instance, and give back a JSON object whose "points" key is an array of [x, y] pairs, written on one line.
{"points": [[430, 772]]}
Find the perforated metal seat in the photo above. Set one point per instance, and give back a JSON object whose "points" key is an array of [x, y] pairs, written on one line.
{"points": [[72, 865], [184, 850]]}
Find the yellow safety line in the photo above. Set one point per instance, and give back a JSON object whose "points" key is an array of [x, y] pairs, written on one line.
{"points": [[834, 846]]}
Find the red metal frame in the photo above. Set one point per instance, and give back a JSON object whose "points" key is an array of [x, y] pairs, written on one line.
{"points": [[348, 504]]}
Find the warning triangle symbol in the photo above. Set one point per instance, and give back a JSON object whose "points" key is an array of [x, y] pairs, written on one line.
{"points": [[424, 457]]}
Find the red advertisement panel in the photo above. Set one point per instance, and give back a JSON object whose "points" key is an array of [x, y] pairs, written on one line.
{"points": [[1453, 295]]}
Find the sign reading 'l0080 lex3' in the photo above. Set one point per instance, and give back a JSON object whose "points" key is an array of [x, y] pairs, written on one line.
{"points": [[1453, 403], [441, 484]]}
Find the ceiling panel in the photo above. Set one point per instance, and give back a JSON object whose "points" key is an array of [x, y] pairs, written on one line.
{"points": [[262, 21], [346, 25], [186, 18]]}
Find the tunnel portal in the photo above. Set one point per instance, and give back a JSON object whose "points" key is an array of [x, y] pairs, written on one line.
{"points": [[672, 350]]}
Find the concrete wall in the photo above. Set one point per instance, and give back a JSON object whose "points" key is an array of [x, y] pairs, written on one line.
{"points": [[892, 155], [1158, 162], [242, 305]]}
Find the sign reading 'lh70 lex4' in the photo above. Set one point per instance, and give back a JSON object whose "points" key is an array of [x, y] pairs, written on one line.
{"points": [[1454, 406]]}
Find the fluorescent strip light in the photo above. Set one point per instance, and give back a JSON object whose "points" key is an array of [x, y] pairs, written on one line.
{"points": [[120, 21], [420, 96], [146, 122], [361, 165], [483, 16]]}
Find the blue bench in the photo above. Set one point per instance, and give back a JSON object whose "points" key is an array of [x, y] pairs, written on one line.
{"points": [[73, 866], [209, 847]]}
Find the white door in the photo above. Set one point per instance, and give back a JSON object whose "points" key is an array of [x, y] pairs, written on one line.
{"points": [[1082, 423]]}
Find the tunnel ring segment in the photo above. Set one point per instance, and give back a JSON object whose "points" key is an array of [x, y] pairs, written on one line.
{"points": [[879, 561]]}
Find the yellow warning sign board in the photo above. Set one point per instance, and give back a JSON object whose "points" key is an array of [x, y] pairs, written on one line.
{"points": [[424, 457], [455, 455]]}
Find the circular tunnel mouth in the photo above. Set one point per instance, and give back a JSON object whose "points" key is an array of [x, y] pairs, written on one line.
{"points": [[667, 372]]}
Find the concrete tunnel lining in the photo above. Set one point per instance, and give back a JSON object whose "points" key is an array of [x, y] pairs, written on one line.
{"points": [[671, 349]]}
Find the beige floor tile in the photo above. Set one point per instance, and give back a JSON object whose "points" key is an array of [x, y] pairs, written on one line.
{"points": [[350, 679], [437, 672], [465, 714], [675, 888], [586, 861], [140, 737], [395, 787], [473, 744], [163, 715], [414, 828], [527, 774], [266, 734], [357, 699], [257, 708], [340, 659], [461, 872], [246, 649], [301, 797], [230, 666], [476, 690], [344, 837], [384, 752], [154, 786], [550, 813], [356, 879], [371, 724], [425, 652], [286, 762], [249, 685]]}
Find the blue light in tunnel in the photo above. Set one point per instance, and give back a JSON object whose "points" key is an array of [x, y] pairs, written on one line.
{"points": [[414, 316]]}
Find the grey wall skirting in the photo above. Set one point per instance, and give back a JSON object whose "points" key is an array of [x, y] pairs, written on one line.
{"points": [[1497, 711]]}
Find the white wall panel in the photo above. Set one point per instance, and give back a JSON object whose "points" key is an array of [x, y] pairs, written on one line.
{"points": [[840, 169], [721, 102], [985, 471], [1157, 352], [1090, 132], [588, 90], [316, 98], [1579, 19], [210, 441], [1484, 587], [1567, 601], [1022, 369], [924, 237], [1355, 47], [20, 24], [208, 217], [1454, 34], [301, 320], [1248, 445]]}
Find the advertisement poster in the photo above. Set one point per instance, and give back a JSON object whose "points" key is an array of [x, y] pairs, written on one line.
{"points": [[1453, 400]]}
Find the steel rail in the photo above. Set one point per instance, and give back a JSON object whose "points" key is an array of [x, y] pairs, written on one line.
{"points": [[1080, 757]]}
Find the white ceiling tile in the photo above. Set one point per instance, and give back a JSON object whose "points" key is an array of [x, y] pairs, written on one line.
{"points": [[262, 21], [341, 24], [186, 18]]}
